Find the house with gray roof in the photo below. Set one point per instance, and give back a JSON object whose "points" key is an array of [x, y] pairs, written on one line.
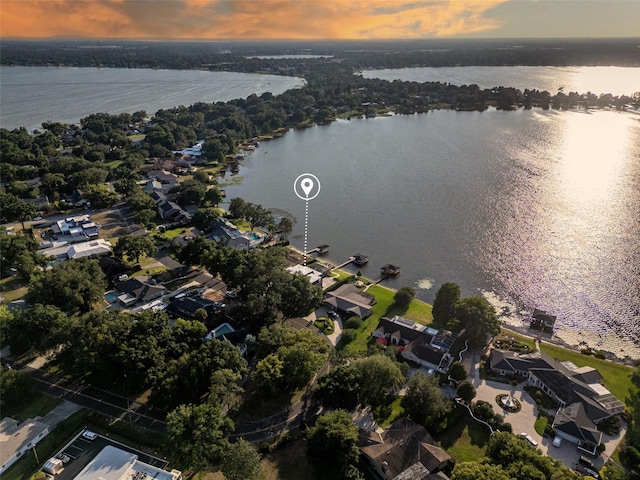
{"points": [[583, 400], [421, 344], [350, 299]]}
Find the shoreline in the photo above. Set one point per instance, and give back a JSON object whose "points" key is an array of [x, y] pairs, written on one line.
{"points": [[555, 339]]}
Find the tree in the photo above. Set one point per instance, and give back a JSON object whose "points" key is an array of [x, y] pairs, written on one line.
{"points": [[466, 391], [379, 377], [39, 328], [238, 208], [332, 446], [213, 196], [197, 433], [445, 303], [72, 286], [15, 387], [478, 471], [19, 252], [286, 227], [478, 317], [14, 209], [134, 246], [224, 389], [206, 218], [424, 402], [457, 371], [403, 296], [241, 461], [340, 388]]}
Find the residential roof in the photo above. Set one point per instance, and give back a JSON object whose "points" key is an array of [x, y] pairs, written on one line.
{"points": [[14, 436], [408, 331], [573, 421], [313, 275], [115, 464], [88, 249], [406, 444], [138, 288]]}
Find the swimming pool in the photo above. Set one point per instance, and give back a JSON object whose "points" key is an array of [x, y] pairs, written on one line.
{"points": [[111, 296]]}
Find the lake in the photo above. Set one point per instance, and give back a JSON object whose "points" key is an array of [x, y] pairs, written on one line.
{"points": [[597, 80], [32, 95], [529, 208]]}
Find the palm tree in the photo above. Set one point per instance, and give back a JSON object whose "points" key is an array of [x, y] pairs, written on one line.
{"points": [[285, 226]]}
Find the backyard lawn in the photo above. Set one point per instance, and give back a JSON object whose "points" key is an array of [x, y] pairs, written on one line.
{"points": [[417, 311], [465, 440]]}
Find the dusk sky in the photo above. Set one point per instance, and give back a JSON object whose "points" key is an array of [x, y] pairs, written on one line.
{"points": [[317, 19]]}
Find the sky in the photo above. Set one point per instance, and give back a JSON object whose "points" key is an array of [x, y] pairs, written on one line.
{"points": [[318, 19]]}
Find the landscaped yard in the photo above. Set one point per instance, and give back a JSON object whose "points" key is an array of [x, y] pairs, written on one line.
{"points": [[418, 311], [465, 440]]}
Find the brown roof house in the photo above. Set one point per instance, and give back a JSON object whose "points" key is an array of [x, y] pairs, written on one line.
{"points": [[348, 298], [405, 451]]}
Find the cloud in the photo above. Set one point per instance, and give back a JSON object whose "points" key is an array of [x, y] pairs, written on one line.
{"points": [[243, 19]]}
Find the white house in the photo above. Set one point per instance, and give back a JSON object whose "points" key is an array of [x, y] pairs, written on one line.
{"points": [[16, 440]]}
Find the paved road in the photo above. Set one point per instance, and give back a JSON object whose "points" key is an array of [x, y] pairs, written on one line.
{"points": [[103, 402]]}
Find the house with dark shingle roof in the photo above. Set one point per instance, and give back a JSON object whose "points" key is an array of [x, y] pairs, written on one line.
{"points": [[348, 298], [583, 400], [405, 451], [541, 320], [421, 344], [138, 289]]}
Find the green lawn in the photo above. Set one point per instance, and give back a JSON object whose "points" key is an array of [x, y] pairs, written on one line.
{"points": [[541, 423], [173, 233], [39, 405], [465, 439], [417, 311], [392, 413]]}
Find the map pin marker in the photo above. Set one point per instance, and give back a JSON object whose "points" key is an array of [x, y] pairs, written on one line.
{"points": [[307, 186]]}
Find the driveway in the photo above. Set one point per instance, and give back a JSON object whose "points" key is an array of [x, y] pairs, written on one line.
{"points": [[524, 421], [334, 338]]}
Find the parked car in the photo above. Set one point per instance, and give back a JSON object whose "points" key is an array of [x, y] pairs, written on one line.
{"points": [[231, 294], [333, 314], [89, 435], [218, 305], [528, 438]]}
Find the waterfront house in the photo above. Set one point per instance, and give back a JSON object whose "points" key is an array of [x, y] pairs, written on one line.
{"points": [[582, 399], [541, 320], [349, 299], [420, 344]]}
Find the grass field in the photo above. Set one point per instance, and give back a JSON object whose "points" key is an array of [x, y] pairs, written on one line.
{"points": [[39, 405]]}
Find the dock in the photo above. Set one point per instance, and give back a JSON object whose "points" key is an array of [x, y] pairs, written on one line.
{"points": [[320, 250]]}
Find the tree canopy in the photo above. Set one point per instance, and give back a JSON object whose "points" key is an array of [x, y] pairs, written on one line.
{"points": [[424, 401], [332, 446]]}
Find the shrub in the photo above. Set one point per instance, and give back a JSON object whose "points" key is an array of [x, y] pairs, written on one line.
{"points": [[348, 336], [353, 323]]}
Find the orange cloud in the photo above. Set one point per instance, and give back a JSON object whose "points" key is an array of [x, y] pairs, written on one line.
{"points": [[243, 19]]}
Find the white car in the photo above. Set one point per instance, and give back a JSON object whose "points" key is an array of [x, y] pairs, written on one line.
{"points": [[89, 435], [528, 438]]}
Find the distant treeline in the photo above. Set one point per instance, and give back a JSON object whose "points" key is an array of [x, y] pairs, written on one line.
{"points": [[349, 54]]}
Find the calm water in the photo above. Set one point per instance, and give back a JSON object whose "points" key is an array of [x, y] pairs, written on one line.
{"points": [[32, 95], [597, 80], [530, 208]]}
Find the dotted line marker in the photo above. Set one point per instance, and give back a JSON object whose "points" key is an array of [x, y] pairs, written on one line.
{"points": [[306, 230]]}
